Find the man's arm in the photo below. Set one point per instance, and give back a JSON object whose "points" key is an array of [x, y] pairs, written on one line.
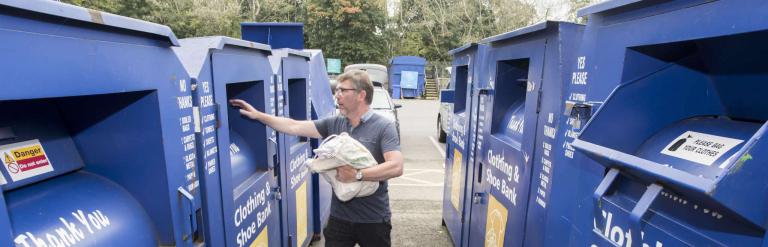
{"points": [[391, 168], [285, 125]]}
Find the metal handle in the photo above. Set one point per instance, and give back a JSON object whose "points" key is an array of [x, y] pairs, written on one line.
{"points": [[477, 198], [642, 206], [276, 194], [191, 226], [274, 155]]}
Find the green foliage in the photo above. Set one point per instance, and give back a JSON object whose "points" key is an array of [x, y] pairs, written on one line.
{"points": [[352, 30], [357, 31]]}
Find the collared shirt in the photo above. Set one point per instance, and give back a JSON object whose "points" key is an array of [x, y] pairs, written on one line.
{"points": [[364, 118], [379, 135]]}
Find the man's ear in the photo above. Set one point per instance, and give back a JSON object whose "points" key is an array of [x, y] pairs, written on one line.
{"points": [[362, 95]]}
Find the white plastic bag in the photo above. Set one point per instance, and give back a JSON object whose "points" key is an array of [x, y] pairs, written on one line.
{"points": [[340, 150]]}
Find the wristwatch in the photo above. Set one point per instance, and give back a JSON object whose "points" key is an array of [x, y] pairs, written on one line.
{"points": [[359, 175]]}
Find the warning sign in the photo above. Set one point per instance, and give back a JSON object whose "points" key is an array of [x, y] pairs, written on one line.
{"points": [[701, 148], [25, 159]]}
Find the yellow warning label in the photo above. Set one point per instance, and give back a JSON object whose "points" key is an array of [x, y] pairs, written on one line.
{"points": [[456, 179], [28, 152], [495, 224], [262, 240], [8, 159], [301, 213]]}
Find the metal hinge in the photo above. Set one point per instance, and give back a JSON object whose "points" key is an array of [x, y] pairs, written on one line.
{"points": [[538, 102], [276, 194], [216, 110]]}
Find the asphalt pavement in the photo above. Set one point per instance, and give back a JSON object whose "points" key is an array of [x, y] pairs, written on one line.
{"points": [[416, 197]]}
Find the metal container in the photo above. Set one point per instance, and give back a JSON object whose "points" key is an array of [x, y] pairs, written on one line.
{"points": [[406, 76], [662, 142], [236, 155], [97, 142]]}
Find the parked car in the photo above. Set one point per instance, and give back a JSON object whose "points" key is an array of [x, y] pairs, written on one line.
{"points": [[382, 104], [446, 110], [377, 73]]}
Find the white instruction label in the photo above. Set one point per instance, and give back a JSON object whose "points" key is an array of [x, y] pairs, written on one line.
{"points": [[701, 148], [25, 159]]}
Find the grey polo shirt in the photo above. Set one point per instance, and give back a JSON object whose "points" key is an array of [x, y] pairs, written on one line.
{"points": [[379, 135]]}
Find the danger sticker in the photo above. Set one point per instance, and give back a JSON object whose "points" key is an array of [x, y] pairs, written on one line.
{"points": [[701, 148], [25, 159]]}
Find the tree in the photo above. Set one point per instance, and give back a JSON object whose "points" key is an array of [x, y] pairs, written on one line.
{"points": [[442, 25], [193, 18], [273, 10], [575, 6], [352, 30]]}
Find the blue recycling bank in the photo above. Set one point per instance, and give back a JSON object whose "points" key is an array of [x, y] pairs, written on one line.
{"points": [[96, 138], [511, 125], [467, 78], [673, 155], [406, 76], [323, 105], [291, 68], [237, 155]]}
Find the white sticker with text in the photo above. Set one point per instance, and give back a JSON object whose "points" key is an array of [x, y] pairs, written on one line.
{"points": [[701, 148]]}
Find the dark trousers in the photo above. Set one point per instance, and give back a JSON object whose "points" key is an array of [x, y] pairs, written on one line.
{"points": [[340, 233]]}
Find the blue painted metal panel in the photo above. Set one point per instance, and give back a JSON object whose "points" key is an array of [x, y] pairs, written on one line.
{"points": [[277, 35], [322, 96], [323, 105], [6, 230], [406, 63], [76, 13], [657, 70], [466, 73], [513, 123], [240, 205], [295, 180], [114, 89], [88, 209]]}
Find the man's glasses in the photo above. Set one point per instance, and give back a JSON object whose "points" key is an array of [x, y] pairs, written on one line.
{"points": [[341, 89]]}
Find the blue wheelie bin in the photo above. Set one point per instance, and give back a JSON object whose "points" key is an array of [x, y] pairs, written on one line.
{"points": [[96, 133], [515, 131], [236, 155], [666, 123]]}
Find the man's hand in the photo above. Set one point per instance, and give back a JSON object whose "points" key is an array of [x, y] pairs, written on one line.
{"points": [[346, 174], [245, 108]]}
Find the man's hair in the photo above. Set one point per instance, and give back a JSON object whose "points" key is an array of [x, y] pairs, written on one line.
{"points": [[360, 81]]}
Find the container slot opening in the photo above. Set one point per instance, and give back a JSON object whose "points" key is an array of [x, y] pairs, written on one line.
{"points": [[460, 92], [297, 101], [248, 139], [509, 99]]}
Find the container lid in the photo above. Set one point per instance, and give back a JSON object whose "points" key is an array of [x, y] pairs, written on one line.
{"points": [[462, 48], [193, 51], [72, 12]]}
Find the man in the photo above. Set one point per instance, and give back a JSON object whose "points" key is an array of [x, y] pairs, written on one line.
{"points": [[363, 220]]}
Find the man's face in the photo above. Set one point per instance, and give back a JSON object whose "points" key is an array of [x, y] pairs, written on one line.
{"points": [[348, 99]]}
